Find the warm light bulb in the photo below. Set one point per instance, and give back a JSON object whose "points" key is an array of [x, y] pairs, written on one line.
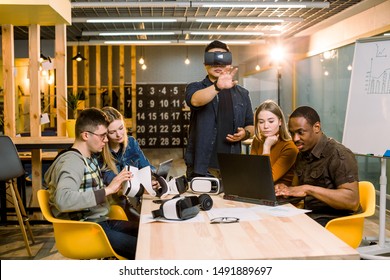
{"points": [[143, 67], [50, 79], [277, 54], [257, 67], [187, 61], [141, 60], [78, 58]]}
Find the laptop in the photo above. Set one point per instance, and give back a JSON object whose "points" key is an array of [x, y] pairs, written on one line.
{"points": [[248, 178], [164, 167]]}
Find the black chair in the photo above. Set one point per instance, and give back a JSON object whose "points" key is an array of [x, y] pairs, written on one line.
{"points": [[10, 168]]}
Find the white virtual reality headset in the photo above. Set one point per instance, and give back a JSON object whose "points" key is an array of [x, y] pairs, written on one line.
{"points": [[208, 185], [142, 181]]}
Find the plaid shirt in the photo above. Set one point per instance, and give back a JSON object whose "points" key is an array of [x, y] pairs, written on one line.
{"points": [[92, 175]]}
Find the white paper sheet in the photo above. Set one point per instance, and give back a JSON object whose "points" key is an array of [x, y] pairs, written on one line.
{"points": [[148, 218], [279, 211]]}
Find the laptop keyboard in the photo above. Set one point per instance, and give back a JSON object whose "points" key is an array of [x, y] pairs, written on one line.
{"points": [[252, 200]]}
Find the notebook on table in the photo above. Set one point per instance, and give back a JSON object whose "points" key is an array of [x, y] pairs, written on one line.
{"points": [[164, 167], [248, 178]]}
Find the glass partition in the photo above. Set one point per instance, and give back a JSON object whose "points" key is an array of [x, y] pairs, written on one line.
{"points": [[323, 83]]}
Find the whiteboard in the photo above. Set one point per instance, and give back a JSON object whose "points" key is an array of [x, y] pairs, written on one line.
{"points": [[367, 122]]}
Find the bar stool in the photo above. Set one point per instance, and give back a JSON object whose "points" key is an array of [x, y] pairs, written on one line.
{"points": [[10, 168]]}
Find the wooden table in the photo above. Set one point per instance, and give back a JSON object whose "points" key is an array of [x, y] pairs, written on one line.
{"points": [[35, 145], [296, 237]]}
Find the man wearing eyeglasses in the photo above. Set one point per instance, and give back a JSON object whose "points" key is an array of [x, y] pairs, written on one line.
{"points": [[221, 113], [76, 186]]}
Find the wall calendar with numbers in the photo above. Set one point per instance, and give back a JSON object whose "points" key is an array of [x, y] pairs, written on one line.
{"points": [[161, 120]]}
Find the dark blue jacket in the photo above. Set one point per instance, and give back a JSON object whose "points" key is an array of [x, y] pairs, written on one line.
{"points": [[203, 124]]}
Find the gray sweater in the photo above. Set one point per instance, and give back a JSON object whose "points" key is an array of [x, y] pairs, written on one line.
{"points": [[74, 193]]}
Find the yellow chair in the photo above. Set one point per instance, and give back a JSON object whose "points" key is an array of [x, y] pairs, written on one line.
{"points": [[350, 228], [80, 240]]}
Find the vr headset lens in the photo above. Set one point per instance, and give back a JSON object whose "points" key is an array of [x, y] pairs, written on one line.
{"points": [[179, 208], [217, 58]]}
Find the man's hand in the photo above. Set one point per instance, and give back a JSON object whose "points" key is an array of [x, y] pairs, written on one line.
{"points": [[226, 78], [283, 190], [116, 183], [238, 136]]}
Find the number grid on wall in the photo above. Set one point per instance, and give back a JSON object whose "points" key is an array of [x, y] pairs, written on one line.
{"points": [[161, 121]]}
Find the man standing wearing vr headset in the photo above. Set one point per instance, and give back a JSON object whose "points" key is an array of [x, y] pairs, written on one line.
{"points": [[221, 113]]}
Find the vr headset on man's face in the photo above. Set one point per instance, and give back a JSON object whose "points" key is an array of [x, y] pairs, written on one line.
{"points": [[217, 58]]}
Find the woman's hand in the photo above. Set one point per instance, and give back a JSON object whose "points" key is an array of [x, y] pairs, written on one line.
{"points": [[269, 142], [155, 184]]}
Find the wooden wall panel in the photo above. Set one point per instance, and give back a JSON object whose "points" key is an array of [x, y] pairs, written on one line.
{"points": [[9, 79], [109, 74], [61, 79], [34, 46], [122, 78], [98, 77], [86, 76]]}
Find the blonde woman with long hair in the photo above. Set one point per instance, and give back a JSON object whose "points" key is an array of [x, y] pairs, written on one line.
{"points": [[273, 139], [121, 150]]}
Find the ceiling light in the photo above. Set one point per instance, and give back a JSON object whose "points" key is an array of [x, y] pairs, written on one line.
{"points": [[78, 57], [209, 4], [43, 58], [141, 59], [252, 5], [121, 20], [246, 20], [136, 33], [248, 33], [136, 42], [205, 42], [186, 19], [187, 60], [172, 42], [182, 32]]}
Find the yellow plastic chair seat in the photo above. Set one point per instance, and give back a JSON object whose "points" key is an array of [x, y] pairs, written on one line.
{"points": [[80, 240], [350, 228]]}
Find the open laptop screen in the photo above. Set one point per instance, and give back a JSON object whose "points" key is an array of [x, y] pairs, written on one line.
{"points": [[247, 177], [164, 167]]}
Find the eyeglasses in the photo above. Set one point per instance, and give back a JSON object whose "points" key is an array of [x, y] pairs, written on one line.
{"points": [[101, 136], [224, 220]]}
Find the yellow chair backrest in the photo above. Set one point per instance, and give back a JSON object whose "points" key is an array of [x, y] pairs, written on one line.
{"points": [[350, 228], [75, 239]]}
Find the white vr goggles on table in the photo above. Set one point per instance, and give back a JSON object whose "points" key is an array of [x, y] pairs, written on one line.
{"points": [[142, 180], [208, 185], [182, 208]]}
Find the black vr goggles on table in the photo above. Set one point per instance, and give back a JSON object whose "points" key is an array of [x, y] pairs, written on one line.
{"points": [[183, 208], [217, 58]]}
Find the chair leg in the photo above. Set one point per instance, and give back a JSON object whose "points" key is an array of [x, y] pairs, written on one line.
{"points": [[20, 218], [23, 212]]}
